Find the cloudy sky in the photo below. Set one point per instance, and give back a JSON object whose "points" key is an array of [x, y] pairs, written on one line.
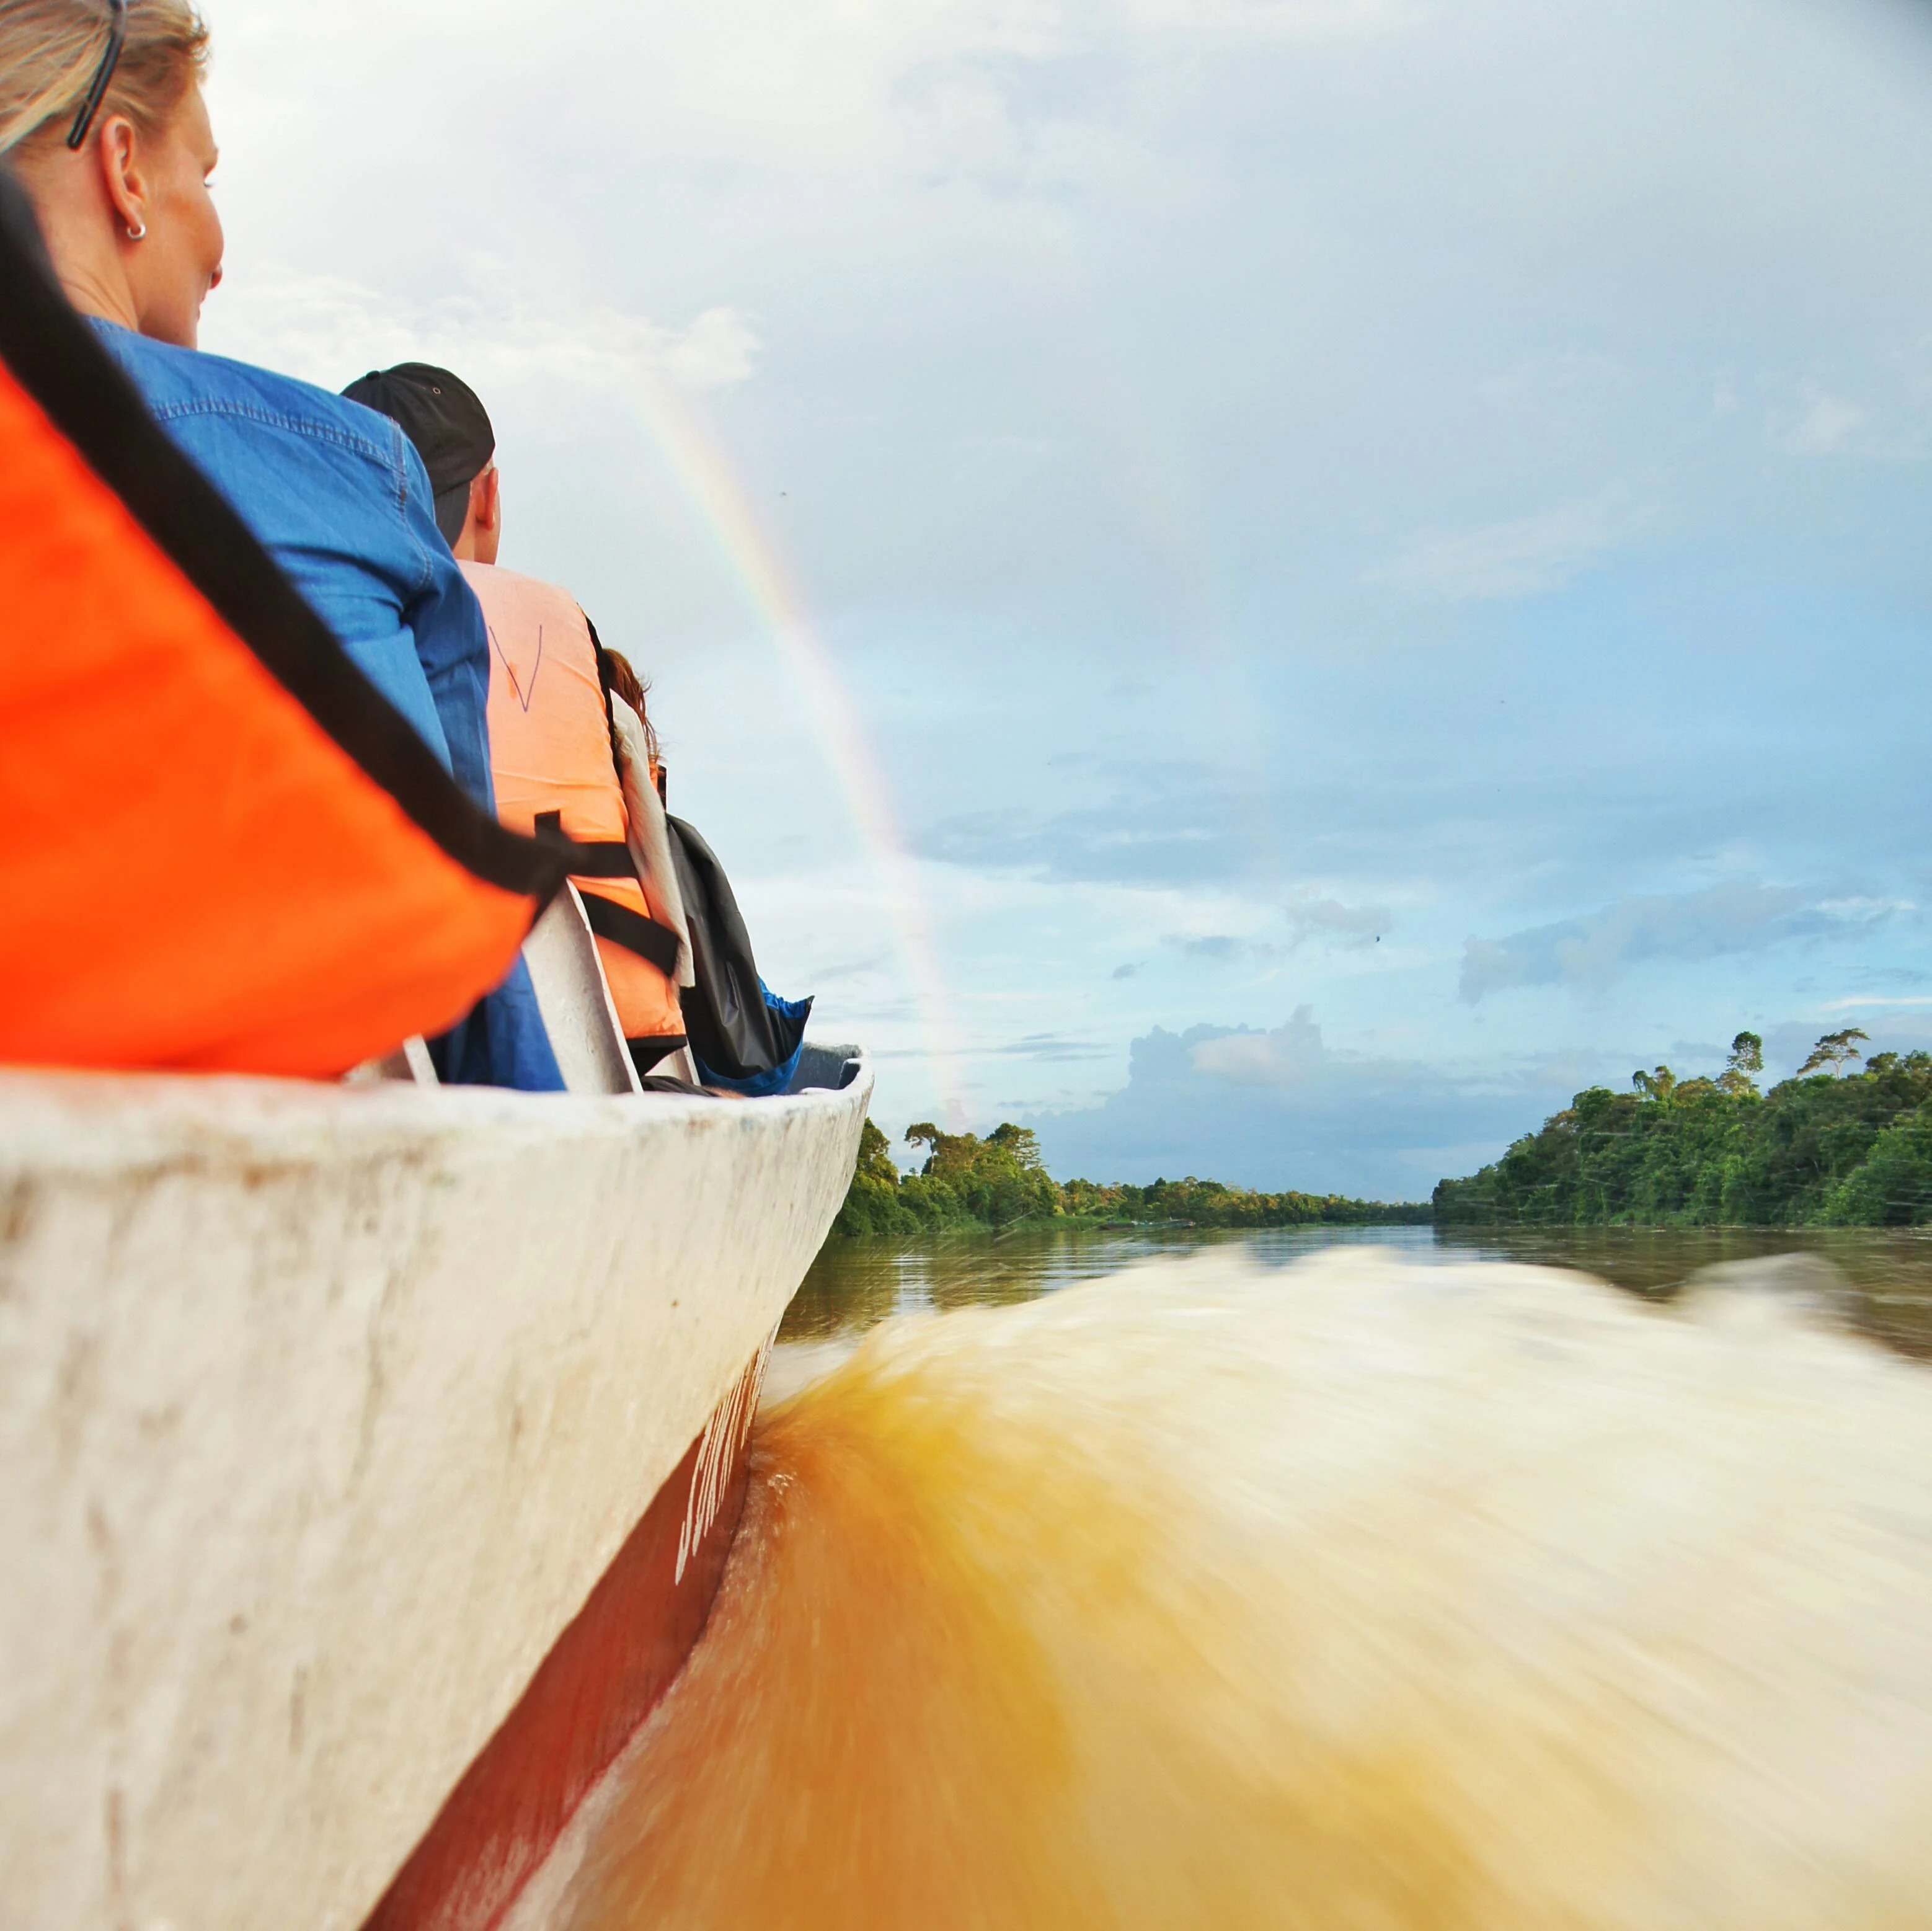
{"points": [[1270, 586]]}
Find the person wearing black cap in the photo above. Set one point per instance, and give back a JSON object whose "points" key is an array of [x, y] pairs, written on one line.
{"points": [[443, 416], [575, 755]]}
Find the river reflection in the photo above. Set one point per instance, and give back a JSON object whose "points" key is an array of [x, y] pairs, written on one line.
{"points": [[1885, 1287]]}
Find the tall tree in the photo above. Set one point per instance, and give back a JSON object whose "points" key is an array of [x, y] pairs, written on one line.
{"points": [[1834, 1050], [1747, 1059], [1853, 1148]]}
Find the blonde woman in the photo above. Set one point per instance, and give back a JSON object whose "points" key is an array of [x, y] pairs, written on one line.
{"points": [[103, 123]]}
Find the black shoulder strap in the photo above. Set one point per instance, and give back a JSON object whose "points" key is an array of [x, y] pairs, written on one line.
{"points": [[592, 858], [618, 923], [648, 940]]}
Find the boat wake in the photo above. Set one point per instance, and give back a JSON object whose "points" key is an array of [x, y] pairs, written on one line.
{"points": [[1354, 1597]]}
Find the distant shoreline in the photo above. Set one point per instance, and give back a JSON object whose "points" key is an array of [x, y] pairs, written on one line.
{"points": [[999, 1185], [1831, 1147], [1399, 1213]]}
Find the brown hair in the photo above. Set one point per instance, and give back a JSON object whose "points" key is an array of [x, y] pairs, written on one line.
{"points": [[620, 680], [51, 49]]}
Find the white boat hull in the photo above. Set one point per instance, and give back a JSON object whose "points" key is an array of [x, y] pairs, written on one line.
{"points": [[322, 1411]]}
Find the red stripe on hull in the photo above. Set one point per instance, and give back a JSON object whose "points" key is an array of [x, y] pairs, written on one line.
{"points": [[601, 1680]]}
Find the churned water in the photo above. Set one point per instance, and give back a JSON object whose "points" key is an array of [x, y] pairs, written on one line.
{"points": [[1357, 1594], [1885, 1276]]}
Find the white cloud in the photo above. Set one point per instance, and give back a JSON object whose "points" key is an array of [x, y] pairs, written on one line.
{"points": [[1737, 916], [1524, 557], [1814, 421], [1287, 1056], [1224, 947], [1826, 425], [1283, 19], [1330, 920], [1282, 1109], [328, 329]]}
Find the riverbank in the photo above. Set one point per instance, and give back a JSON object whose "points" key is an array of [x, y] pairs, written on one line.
{"points": [[998, 1184], [1830, 1148]]}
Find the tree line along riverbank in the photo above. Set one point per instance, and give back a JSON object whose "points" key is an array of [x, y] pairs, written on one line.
{"points": [[999, 1183], [1836, 1145]]}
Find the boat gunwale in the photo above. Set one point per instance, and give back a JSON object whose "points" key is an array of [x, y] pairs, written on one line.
{"points": [[164, 1120]]}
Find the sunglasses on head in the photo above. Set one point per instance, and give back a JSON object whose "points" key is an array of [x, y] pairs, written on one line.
{"points": [[117, 32]]}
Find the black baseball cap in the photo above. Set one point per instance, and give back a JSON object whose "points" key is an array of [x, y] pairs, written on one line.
{"points": [[440, 414]]}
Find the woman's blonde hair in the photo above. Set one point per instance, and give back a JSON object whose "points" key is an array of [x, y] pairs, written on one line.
{"points": [[51, 49]]}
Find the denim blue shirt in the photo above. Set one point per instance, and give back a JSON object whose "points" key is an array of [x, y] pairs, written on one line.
{"points": [[339, 496]]}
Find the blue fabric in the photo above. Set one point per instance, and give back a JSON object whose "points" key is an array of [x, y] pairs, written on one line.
{"points": [[761, 1085], [501, 1042], [339, 496]]}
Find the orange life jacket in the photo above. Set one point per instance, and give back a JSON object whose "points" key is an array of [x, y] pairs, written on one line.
{"points": [[550, 751], [220, 849]]}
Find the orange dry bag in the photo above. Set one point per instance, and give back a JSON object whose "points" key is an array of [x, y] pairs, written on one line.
{"points": [[220, 848], [549, 752]]}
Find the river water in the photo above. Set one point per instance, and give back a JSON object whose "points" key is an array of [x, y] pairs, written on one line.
{"points": [[1885, 1286], [1326, 1581]]}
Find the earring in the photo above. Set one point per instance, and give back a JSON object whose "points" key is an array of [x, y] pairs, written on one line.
{"points": [[137, 231]]}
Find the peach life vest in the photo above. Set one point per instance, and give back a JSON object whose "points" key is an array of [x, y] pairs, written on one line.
{"points": [[549, 753]]}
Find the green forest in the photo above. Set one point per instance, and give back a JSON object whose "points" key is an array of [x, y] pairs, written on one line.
{"points": [[999, 1184], [1837, 1145]]}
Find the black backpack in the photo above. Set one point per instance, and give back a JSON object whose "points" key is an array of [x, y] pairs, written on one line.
{"points": [[741, 1032]]}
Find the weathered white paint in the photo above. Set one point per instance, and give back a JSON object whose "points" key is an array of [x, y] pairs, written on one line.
{"points": [[321, 1411], [574, 997]]}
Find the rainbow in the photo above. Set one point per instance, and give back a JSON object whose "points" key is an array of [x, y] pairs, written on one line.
{"points": [[703, 471]]}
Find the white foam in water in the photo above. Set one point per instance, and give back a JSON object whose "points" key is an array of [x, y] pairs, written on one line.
{"points": [[1350, 1597]]}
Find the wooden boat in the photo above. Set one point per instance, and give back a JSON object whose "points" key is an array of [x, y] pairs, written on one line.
{"points": [[371, 1456]]}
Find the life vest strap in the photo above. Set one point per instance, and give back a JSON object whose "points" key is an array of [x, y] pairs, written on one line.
{"points": [[601, 858], [649, 941], [609, 859]]}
